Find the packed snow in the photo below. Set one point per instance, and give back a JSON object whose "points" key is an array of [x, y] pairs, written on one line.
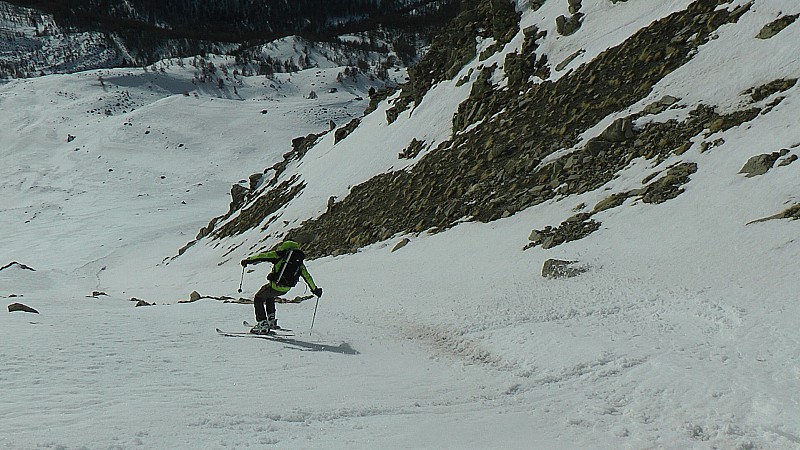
{"points": [[682, 334]]}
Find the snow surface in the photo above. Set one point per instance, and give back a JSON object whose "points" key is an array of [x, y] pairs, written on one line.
{"points": [[682, 335]]}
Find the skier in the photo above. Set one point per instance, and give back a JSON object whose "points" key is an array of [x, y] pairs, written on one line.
{"points": [[287, 268]]}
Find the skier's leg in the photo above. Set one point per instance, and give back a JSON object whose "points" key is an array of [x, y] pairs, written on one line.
{"points": [[270, 305], [258, 304], [259, 301]]}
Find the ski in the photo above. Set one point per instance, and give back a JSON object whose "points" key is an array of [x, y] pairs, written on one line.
{"points": [[273, 334], [250, 325]]}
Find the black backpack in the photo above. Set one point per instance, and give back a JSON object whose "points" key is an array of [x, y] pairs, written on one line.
{"points": [[288, 273]]}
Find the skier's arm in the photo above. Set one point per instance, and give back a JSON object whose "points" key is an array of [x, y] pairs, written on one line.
{"points": [[261, 257], [307, 276]]}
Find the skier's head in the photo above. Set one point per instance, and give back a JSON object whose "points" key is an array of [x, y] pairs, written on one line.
{"points": [[288, 245]]}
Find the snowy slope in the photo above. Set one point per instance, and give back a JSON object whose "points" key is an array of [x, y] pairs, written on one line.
{"points": [[681, 335]]}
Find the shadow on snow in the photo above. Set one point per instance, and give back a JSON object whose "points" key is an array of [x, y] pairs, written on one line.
{"points": [[344, 348]]}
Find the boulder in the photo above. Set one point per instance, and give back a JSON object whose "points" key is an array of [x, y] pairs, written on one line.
{"points": [[566, 26], [400, 244], [238, 197], [140, 302], [557, 268], [759, 164], [20, 307], [661, 105], [254, 180], [19, 265], [788, 161], [620, 130]]}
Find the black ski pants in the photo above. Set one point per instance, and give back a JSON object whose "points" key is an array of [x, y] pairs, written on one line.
{"points": [[264, 302]]}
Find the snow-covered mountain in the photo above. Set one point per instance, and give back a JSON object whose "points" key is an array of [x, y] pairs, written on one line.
{"points": [[574, 227]]}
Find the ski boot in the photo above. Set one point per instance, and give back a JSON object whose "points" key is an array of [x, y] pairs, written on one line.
{"points": [[261, 327], [273, 322]]}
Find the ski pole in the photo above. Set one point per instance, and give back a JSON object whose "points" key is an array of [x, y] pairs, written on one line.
{"points": [[242, 281], [314, 317]]}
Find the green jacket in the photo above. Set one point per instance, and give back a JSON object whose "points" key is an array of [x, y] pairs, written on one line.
{"points": [[278, 259]]}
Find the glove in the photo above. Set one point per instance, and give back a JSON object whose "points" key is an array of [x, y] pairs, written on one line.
{"points": [[317, 292], [245, 262]]}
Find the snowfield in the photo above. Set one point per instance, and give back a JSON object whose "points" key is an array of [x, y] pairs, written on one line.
{"points": [[682, 334]]}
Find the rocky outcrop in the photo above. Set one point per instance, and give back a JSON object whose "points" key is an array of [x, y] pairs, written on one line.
{"points": [[413, 149], [377, 96], [271, 201], [670, 185], [574, 228], [238, 197], [791, 213], [495, 168], [536, 4], [345, 131], [775, 27], [263, 207], [455, 46], [762, 92]]}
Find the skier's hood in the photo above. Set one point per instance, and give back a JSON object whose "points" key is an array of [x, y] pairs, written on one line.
{"points": [[289, 245]]}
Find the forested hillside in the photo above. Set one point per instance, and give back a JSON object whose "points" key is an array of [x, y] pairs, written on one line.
{"points": [[43, 37], [237, 20]]}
